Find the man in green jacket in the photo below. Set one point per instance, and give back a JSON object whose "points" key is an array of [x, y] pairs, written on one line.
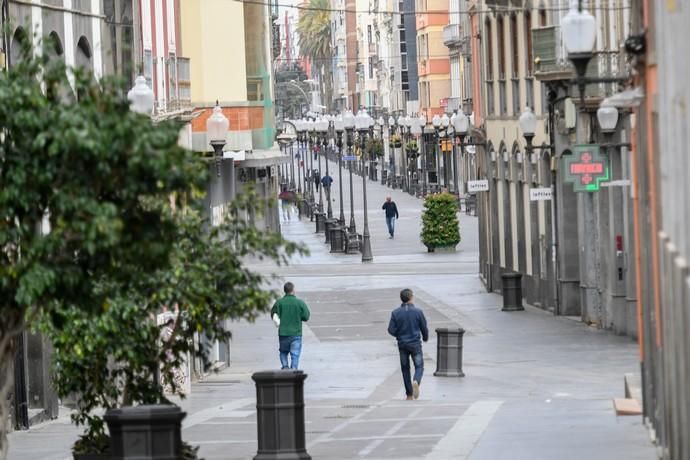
{"points": [[290, 312]]}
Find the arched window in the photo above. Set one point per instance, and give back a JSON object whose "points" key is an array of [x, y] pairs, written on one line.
{"points": [[55, 45], [83, 56], [19, 46]]}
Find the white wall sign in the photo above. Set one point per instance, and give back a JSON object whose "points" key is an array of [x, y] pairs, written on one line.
{"points": [[540, 194], [474, 186]]}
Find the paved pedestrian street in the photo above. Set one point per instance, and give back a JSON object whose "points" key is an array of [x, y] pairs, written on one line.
{"points": [[536, 386]]}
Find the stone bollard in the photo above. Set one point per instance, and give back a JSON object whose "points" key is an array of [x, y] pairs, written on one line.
{"points": [[280, 415], [449, 352], [512, 292], [147, 432]]}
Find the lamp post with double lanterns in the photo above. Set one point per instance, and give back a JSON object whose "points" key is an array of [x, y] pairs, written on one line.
{"points": [[392, 163], [461, 124], [416, 130], [328, 122], [311, 132], [339, 125], [349, 122], [364, 124], [423, 154]]}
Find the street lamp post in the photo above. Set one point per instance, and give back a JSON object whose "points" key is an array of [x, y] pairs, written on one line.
{"points": [[391, 149], [436, 123], [380, 124], [461, 124], [327, 127], [217, 132], [364, 123], [425, 171], [416, 130], [321, 126], [339, 125], [349, 122]]}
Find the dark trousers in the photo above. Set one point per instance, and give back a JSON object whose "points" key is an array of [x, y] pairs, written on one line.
{"points": [[414, 351]]}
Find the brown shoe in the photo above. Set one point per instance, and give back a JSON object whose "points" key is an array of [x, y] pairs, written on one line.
{"points": [[410, 398]]}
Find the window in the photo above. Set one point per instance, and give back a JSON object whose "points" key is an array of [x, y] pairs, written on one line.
{"points": [[503, 103], [148, 68], [403, 47], [529, 92], [489, 52], [516, 97], [371, 67], [183, 79], [172, 77], [542, 17], [490, 106], [515, 55], [369, 39], [501, 49], [529, 67], [403, 57]]}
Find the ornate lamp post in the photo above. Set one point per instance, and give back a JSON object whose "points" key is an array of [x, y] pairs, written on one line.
{"points": [[416, 129], [436, 123], [461, 124], [140, 97], [364, 123], [404, 122], [425, 173], [579, 31], [299, 124], [445, 123], [380, 124], [217, 133], [339, 125], [392, 163], [311, 132], [349, 122], [327, 126], [321, 127]]}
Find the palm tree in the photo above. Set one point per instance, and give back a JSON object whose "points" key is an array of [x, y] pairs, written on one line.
{"points": [[314, 28]]}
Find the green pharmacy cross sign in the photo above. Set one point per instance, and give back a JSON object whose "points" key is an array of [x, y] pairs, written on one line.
{"points": [[586, 168]]}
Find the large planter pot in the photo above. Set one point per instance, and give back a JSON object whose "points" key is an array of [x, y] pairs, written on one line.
{"points": [[431, 248], [91, 456]]}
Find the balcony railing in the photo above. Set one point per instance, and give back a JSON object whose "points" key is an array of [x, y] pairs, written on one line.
{"points": [[451, 35]]}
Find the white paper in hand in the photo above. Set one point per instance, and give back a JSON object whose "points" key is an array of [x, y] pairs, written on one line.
{"points": [[276, 319]]}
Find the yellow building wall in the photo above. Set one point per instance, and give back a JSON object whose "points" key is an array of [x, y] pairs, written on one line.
{"points": [[213, 38]]}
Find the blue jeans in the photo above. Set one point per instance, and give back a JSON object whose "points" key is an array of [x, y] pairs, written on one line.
{"points": [[390, 221], [413, 350], [291, 345]]}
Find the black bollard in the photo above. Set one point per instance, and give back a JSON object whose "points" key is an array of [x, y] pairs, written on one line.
{"points": [[320, 218], [280, 415], [147, 432], [329, 224], [512, 292], [449, 352], [337, 238]]}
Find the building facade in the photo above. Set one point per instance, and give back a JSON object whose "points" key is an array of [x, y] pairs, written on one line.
{"points": [[433, 62]]}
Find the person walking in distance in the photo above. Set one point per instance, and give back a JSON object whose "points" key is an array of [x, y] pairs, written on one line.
{"points": [[408, 326], [288, 313], [391, 214]]}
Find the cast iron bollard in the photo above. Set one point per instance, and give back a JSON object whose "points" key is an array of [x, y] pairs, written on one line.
{"points": [[512, 292], [449, 352], [147, 432], [320, 218], [329, 224], [280, 415], [337, 238]]}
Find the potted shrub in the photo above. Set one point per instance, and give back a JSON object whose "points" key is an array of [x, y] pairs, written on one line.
{"points": [[440, 227], [395, 141], [374, 148], [412, 150]]}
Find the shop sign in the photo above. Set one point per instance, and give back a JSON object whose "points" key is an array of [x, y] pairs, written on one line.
{"points": [[586, 168]]}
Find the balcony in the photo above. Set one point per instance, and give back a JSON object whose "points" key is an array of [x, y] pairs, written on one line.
{"points": [[372, 49], [179, 95], [552, 64], [452, 37], [503, 4]]}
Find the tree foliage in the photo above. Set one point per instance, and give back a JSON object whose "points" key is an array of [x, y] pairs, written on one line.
{"points": [[101, 226], [440, 227], [314, 28]]}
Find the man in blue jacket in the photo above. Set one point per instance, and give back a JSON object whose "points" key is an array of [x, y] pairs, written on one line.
{"points": [[408, 326]]}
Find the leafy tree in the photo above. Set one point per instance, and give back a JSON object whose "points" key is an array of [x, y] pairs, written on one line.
{"points": [[100, 227], [314, 28], [440, 226]]}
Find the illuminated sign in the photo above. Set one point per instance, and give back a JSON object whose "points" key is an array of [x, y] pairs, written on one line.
{"points": [[586, 168]]}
